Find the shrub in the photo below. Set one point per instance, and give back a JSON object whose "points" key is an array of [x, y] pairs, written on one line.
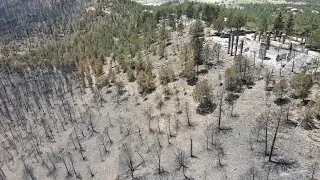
{"points": [[280, 88], [203, 92], [231, 79], [238, 74], [145, 80], [112, 76], [309, 122], [119, 87], [97, 67], [316, 107], [162, 48], [166, 75], [90, 81], [267, 79], [122, 62], [189, 69], [117, 69], [187, 56], [143, 65], [130, 75], [243, 68], [102, 81], [301, 83], [167, 92], [316, 77]]}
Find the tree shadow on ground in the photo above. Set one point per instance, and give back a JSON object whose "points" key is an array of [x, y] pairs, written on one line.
{"points": [[281, 101], [206, 108], [202, 71]]}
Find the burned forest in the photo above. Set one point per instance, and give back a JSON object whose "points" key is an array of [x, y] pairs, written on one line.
{"points": [[119, 90]]}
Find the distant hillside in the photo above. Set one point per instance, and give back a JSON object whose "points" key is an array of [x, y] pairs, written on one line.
{"points": [[230, 2], [305, 1], [24, 16]]}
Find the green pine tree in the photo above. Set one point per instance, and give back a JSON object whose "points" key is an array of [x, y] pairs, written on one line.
{"points": [[278, 23], [190, 10], [290, 25], [263, 26]]}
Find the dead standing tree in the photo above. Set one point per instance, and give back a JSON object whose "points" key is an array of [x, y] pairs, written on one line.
{"points": [[28, 172], [148, 114], [160, 169], [220, 110], [266, 118], [207, 134], [188, 114], [128, 160], [314, 169], [191, 149], [217, 48], [102, 140], [181, 162], [62, 159], [278, 117], [91, 126], [70, 156], [106, 131], [2, 174]]}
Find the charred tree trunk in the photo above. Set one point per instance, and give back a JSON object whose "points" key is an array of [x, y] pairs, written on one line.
{"points": [[237, 42], [191, 149], [275, 137], [232, 42], [220, 111]]}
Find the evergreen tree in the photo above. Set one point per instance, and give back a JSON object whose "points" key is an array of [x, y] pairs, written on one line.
{"points": [[206, 13], [263, 26], [235, 20], [180, 26], [209, 13], [197, 28], [172, 21], [278, 23], [238, 21], [290, 25], [315, 38], [203, 92], [179, 12], [190, 10], [157, 16], [219, 23], [301, 83]]}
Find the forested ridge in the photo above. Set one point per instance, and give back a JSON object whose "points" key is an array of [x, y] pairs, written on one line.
{"points": [[313, 2], [141, 28]]}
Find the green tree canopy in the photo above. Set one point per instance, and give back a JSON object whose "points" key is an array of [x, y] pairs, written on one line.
{"points": [[263, 25], [315, 38], [280, 88], [197, 28], [235, 20], [203, 92], [219, 23], [289, 25], [278, 22], [301, 83]]}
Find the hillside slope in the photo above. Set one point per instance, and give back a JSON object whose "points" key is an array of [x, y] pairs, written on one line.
{"points": [[21, 16]]}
